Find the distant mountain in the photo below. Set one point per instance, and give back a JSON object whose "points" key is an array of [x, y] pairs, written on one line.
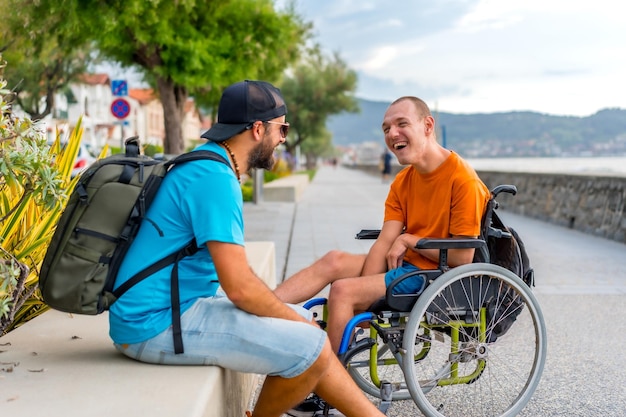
{"points": [[500, 134]]}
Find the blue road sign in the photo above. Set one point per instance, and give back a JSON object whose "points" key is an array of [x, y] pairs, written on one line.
{"points": [[119, 88]]}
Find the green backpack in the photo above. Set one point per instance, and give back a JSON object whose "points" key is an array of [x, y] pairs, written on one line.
{"points": [[101, 220]]}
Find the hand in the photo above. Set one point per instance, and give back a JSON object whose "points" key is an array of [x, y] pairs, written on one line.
{"points": [[397, 251]]}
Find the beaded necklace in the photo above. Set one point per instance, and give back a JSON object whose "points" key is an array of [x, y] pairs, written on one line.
{"points": [[232, 156]]}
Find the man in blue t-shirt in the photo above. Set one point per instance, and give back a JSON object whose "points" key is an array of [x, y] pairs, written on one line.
{"points": [[229, 317]]}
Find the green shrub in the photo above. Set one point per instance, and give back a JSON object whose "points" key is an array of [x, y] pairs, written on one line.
{"points": [[151, 149], [247, 189], [270, 176], [309, 172]]}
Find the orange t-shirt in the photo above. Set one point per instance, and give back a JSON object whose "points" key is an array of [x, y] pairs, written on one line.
{"points": [[448, 201]]}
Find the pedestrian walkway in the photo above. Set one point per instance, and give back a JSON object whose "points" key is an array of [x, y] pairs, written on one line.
{"points": [[337, 204], [581, 284]]}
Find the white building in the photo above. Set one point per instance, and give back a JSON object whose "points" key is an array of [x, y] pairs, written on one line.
{"points": [[92, 98]]}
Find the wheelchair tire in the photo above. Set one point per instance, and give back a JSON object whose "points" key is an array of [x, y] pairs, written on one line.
{"points": [[471, 372]]}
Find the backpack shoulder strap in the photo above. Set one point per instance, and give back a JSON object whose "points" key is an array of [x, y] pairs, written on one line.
{"points": [[195, 156], [189, 249]]}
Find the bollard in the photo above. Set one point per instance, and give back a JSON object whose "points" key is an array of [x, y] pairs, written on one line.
{"points": [[257, 185]]}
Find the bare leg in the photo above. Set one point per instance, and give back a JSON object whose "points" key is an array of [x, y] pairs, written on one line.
{"points": [[347, 297], [327, 377], [280, 394], [326, 270], [339, 389]]}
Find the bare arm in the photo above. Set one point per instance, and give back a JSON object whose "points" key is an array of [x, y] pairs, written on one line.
{"points": [[243, 287], [407, 241], [376, 261]]}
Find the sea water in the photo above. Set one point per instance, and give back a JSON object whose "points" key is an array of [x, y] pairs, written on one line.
{"points": [[609, 166]]}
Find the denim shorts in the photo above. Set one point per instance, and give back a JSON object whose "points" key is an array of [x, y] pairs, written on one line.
{"points": [[413, 285], [215, 332]]}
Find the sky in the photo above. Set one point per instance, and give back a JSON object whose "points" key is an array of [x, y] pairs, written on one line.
{"points": [[559, 57]]}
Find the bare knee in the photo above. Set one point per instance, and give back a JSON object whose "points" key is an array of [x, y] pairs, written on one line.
{"points": [[333, 260], [344, 293], [323, 361], [341, 290], [337, 264], [358, 293]]}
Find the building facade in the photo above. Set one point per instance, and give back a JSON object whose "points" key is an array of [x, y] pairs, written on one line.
{"points": [[92, 98]]}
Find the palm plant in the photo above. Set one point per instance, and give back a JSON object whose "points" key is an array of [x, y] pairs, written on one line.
{"points": [[34, 185]]}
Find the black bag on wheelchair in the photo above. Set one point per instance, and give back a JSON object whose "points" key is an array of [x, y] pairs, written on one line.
{"points": [[506, 250]]}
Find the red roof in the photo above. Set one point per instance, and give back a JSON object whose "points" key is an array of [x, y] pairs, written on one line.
{"points": [[95, 79], [142, 95]]}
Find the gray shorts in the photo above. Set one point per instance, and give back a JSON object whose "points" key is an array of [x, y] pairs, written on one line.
{"points": [[215, 332]]}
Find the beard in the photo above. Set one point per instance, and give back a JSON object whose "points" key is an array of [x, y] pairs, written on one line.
{"points": [[262, 155]]}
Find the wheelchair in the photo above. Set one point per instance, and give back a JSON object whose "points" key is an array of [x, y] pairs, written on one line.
{"points": [[472, 342]]}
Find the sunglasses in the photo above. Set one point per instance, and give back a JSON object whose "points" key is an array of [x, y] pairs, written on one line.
{"points": [[284, 128]]}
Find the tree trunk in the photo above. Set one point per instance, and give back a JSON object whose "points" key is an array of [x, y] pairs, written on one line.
{"points": [[173, 98], [291, 145], [311, 160], [289, 148]]}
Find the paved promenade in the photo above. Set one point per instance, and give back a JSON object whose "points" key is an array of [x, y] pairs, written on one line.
{"points": [[581, 285]]}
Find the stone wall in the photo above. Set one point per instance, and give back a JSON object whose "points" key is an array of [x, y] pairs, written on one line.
{"points": [[593, 204]]}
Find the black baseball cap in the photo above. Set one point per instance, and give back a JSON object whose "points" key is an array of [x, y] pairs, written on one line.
{"points": [[241, 105]]}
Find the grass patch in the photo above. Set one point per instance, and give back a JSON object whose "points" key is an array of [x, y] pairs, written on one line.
{"points": [[247, 188]]}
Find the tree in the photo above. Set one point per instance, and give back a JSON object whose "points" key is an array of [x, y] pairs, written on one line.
{"points": [[192, 47], [44, 54], [317, 87]]}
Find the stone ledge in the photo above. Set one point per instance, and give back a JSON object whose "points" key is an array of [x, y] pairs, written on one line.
{"points": [[287, 189], [66, 365]]}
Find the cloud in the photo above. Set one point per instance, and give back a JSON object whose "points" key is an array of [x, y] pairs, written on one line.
{"points": [[388, 58], [552, 56], [488, 15], [379, 58]]}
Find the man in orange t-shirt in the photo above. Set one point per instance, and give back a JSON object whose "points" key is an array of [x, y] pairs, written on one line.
{"points": [[437, 195]]}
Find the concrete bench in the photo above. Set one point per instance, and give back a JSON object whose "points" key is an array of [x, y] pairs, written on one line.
{"points": [[287, 189], [65, 365]]}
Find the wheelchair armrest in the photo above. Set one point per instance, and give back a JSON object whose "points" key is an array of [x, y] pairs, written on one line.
{"points": [[449, 243], [368, 234]]}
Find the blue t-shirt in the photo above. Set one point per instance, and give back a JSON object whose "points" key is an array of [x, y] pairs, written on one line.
{"points": [[200, 199]]}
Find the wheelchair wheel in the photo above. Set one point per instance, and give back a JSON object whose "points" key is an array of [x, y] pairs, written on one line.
{"points": [[486, 342], [370, 363]]}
